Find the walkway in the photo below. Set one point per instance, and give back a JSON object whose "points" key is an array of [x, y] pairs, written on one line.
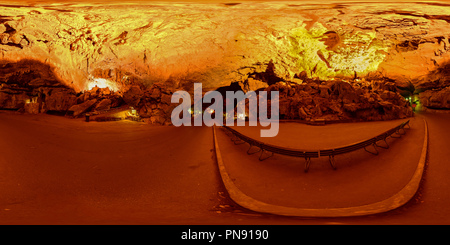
{"points": [[279, 185]]}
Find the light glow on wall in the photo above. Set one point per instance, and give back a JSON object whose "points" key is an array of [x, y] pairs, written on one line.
{"points": [[102, 83], [324, 53]]}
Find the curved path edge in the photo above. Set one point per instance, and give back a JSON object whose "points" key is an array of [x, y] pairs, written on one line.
{"points": [[395, 201]]}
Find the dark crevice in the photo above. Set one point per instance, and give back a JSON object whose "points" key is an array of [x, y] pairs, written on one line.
{"points": [[14, 45], [25, 72], [409, 13], [268, 76], [231, 4]]}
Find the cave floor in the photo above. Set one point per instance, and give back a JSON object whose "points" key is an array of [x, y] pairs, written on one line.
{"points": [[360, 179], [56, 170]]}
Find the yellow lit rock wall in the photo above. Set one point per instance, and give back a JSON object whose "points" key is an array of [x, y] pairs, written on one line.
{"points": [[216, 43]]}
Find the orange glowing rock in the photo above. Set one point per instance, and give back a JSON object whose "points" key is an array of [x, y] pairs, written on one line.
{"points": [[216, 44]]}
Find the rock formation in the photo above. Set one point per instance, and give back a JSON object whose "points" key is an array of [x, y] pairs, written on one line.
{"points": [[340, 100], [128, 48], [29, 81]]}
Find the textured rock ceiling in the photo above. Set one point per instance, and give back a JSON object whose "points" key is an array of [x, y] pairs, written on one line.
{"points": [[219, 43]]}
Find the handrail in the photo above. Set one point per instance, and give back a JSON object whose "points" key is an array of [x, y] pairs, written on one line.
{"points": [[239, 138]]}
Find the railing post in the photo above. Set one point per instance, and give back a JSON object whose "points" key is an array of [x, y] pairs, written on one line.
{"points": [[307, 163], [250, 153], [374, 147], [384, 139], [332, 162]]}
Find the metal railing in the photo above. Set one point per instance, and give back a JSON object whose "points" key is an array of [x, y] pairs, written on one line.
{"points": [[239, 138]]}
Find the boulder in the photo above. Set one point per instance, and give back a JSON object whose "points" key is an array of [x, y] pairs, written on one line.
{"points": [[4, 37], [133, 95], [388, 95], [103, 105], [145, 110], [344, 91], [116, 100], [156, 93], [351, 107], [32, 108], [13, 100], [166, 99], [324, 91], [59, 99], [302, 113], [155, 104], [284, 108], [79, 109], [436, 99], [157, 119], [105, 91]]}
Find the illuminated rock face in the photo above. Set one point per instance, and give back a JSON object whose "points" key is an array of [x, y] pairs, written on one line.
{"points": [[119, 46], [30, 81], [341, 101]]}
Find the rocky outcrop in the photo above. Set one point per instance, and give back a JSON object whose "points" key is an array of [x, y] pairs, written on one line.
{"points": [[95, 101], [103, 105], [12, 98], [79, 109], [436, 79], [32, 87], [56, 99], [340, 100], [434, 89], [253, 44], [29, 81], [133, 95], [155, 104], [436, 99], [32, 108], [217, 44]]}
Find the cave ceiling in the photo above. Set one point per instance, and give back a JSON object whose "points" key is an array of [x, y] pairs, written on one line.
{"points": [[215, 43]]}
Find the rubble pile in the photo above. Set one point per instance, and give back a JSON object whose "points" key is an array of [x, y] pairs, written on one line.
{"points": [[340, 100], [153, 103]]}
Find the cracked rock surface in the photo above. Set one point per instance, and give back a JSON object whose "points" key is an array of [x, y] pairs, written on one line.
{"points": [[214, 43], [219, 43]]}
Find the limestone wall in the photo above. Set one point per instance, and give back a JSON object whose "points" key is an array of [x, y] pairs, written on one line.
{"points": [[216, 44]]}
